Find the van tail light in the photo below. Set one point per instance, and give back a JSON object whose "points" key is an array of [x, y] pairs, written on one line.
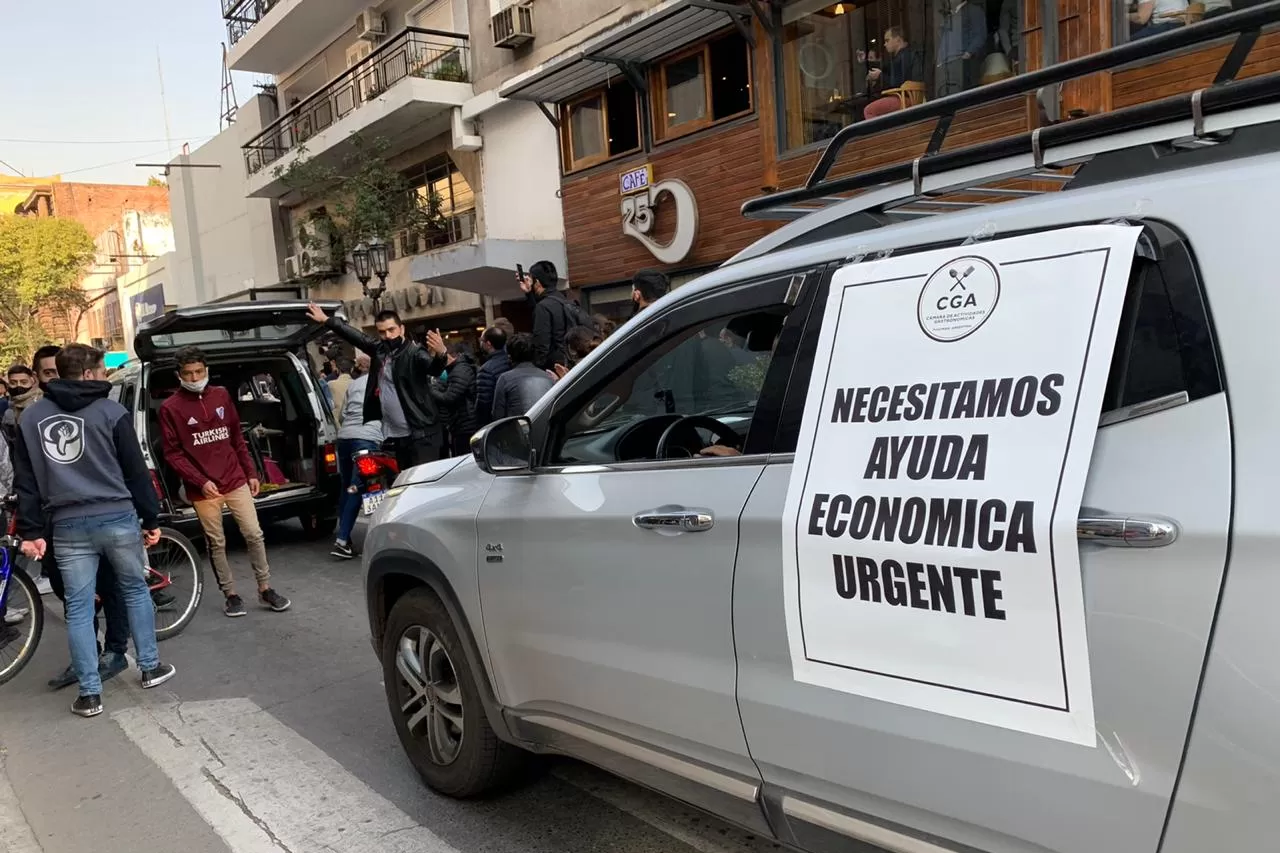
{"points": [[157, 485], [330, 459]]}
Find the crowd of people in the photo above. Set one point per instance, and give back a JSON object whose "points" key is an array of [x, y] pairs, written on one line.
{"points": [[87, 509]]}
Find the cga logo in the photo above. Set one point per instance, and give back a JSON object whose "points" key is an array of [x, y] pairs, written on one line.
{"points": [[62, 438], [958, 298]]}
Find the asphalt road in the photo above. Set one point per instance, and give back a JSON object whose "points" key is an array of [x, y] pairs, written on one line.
{"points": [[274, 738]]}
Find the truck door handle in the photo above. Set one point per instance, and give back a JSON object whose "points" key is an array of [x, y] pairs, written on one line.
{"points": [[666, 519], [1150, 532]]}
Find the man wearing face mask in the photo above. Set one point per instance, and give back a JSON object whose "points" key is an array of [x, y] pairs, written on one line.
{"points": [[401, 398], [204, 444]]}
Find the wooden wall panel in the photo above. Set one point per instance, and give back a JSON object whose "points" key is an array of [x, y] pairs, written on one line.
{"points": [[982, 124], [1190, 71], [723, 168]]}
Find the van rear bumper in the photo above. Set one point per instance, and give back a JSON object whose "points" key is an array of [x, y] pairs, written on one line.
{"points": [[271, 508]]}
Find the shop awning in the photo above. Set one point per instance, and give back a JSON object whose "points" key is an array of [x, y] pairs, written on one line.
{"points": [[627, 48]]}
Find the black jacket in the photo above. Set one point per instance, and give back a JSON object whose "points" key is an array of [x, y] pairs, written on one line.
{"points": [[412, 369], [456, 399], [553, 317], [518, 389], [486, 379]]}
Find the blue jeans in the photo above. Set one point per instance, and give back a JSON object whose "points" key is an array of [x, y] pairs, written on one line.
{"points": [[80, 543], [348, 503]]}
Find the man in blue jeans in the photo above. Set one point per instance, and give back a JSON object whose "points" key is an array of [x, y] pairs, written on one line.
{"points": [[354, 435], [78, 461]]}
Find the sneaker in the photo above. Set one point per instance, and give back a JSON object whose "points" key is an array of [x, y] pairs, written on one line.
{"points": [[66, 678], [87, 706], [274, 600], [8, 635], [157, 676], [15, 616], [235, 606], [111, 664], [162, 599], [343, 551], [43, 586]]}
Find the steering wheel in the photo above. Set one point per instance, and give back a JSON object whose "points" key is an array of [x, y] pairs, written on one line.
{"points": [[695, 422]]}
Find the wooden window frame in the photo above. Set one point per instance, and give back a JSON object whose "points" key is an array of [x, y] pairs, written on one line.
{"points": [[566, 130], [664, 132]]}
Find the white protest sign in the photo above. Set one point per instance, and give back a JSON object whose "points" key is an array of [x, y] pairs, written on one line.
{"points": [[930, 533]]}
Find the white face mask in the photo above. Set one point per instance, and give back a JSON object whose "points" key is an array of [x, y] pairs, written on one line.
{"points": [[196, 387]]}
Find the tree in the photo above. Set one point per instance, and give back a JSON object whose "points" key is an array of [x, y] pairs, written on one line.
{"points": [[42, 260], [157, 181], [363, 197]]}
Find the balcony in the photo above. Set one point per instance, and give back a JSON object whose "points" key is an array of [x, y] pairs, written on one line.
{"points": [[274, 36], [402, 92]]}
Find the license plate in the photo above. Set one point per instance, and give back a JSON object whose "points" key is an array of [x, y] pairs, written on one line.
{"points": [[370, 502]]}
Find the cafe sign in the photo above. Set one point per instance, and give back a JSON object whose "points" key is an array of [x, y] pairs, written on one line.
{"points": [[643, 199]]}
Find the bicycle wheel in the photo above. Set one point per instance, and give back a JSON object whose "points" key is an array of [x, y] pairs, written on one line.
{"points": [[18, 642], [176, 578]]}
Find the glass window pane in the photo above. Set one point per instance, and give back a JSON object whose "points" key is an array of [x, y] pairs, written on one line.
{"points": [[586, 129], [730, 77], [686, 91], [624, 121]]}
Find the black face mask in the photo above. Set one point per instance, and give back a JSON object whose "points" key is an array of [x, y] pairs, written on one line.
{"points": [[391, 346], [21, 394]]}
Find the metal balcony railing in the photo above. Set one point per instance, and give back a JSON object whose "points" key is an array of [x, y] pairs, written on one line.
{"points": [[431, 54], [457, 228], [242, 15]]}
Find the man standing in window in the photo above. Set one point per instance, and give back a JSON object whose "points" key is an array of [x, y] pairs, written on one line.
{"points": [[79, 462], [401, 398], [962, 42], [903, 66]]}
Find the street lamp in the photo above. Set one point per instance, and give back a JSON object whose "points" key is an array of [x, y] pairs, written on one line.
{"points": [[378, 260], [360, 260]]}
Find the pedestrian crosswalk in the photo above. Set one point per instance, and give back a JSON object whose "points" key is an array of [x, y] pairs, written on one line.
{"points": [[264, 788]]}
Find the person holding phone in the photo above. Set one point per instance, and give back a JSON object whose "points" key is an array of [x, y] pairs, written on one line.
{"points": [[403, 371], [553, 315]]}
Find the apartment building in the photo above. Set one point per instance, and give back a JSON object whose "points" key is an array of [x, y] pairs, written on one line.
{"points": [[671, 113], [399, 72]]}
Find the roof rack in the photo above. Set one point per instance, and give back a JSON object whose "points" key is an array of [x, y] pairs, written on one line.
{"points": [[820, 191]]}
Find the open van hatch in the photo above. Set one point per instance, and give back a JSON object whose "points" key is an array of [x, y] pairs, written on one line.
{"points": [[278, 325]]}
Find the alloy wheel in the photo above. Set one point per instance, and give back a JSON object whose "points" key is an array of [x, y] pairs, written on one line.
{"points": [[430, 697]]}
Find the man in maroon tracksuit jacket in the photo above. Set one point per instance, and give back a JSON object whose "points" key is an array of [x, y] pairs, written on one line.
{"points": [[204, 444]]}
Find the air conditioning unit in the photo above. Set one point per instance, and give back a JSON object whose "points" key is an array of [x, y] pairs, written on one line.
{"points": [[370, 26], [316, 262], [513, 26], [292, 266]]}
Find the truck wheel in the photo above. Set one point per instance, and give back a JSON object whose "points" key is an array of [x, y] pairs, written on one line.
{"points": [[435, 704]]}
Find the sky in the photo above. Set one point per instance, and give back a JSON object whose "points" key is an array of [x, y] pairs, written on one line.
{"points": [[80, 89]]}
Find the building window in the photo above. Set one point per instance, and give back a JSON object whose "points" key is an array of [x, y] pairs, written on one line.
{"points": [[441, 179], [707, 84], [845, 62], [602, 124]]}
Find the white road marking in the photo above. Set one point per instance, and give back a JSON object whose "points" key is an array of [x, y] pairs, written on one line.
{"points": [[264, 788], [691, 827], [15, 833]]}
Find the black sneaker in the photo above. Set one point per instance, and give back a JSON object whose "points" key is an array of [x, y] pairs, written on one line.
{"points": [[343, 551], [273, 600], [8, 634], [66, 678], [162, 599], [157, 676], [111, 664], [87, 706], [235, 606]]}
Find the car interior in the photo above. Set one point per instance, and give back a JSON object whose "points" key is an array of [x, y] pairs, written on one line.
{"points": [[276, 415], [695, 390]]}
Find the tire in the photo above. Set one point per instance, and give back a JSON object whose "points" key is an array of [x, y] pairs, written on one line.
{"points": [[480, 762], [189, 603], [316, 527], [22, 594]]}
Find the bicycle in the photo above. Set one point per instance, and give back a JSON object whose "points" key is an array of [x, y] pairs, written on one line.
{"points": [[173, 565]]}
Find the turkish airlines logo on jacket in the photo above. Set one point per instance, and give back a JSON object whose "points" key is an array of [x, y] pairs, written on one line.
{"points": [[209, 436]]}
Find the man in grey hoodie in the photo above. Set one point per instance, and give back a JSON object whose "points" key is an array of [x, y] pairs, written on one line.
{"points": [[77, 460]]}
